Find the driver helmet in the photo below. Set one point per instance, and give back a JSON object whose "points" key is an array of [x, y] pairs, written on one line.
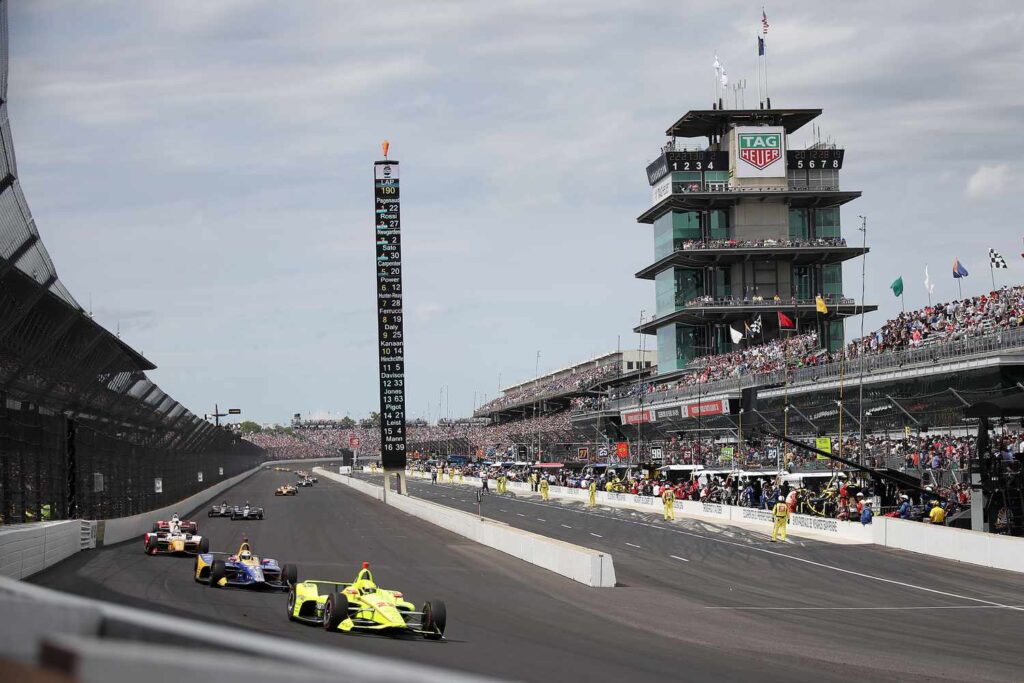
{"points": [[174, 518], [246, 554], [781, 499]]}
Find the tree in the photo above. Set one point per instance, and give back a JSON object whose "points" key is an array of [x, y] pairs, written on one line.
{"points": [[250, 427], [347, 422]]}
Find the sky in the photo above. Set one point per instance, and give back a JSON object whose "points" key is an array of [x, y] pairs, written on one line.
{"points": [[201, 172]]}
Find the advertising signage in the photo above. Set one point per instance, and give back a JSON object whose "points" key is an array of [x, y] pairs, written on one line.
{"points": [[760, 152], [391, 342]]}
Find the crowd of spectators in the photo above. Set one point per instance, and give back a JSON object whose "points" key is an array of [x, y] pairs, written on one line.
{"points": [[581, 378], [999, 310], [686, 245]]}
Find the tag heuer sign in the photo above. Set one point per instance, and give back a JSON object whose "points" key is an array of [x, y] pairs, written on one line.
{"points": [[760, 151]]}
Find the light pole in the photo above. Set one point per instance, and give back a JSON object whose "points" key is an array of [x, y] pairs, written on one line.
{"points": [[863, 280], [217, 415]]}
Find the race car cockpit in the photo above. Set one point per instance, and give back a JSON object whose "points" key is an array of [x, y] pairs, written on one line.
{"points": [[364, 580]]}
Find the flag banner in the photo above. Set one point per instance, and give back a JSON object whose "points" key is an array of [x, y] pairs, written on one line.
{"points": [[737, 336], [929, 286], [755, 327], [819, 304], [897, 284], [996, 259], [785, 322], [764, 22], [958, 269], [760, 46]]}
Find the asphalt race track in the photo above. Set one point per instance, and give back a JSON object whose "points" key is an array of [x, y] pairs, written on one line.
{"points": [[698, 618]]}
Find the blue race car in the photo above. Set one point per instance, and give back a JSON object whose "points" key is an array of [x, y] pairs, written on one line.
{"points": [[244, 569]]}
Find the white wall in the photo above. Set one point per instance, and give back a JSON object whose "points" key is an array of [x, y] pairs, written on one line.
{"points": [[580, 564], [29, 548]]}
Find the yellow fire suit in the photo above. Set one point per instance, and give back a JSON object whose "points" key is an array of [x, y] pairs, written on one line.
{"points": [[668, 498], [544, 488], [592, 500], [781, 514]]}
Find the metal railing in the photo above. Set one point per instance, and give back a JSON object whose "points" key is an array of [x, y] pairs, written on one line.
{"points": [[702, 244]]}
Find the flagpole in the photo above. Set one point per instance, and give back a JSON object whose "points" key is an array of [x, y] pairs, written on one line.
{"points": [[760, 100], [902, 304], [992, 272]]}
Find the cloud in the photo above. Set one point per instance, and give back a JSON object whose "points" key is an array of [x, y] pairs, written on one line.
{"points": [[990, 180]]}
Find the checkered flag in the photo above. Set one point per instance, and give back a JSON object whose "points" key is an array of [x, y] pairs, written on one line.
{"points": [[996, 259], [755, 327]]}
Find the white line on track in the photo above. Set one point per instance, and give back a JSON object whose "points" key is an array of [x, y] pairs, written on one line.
{"points": [[862, 608], [567, 526], [541, 520], [766, 551], [596, 535], [632, 545], [520, 514]]}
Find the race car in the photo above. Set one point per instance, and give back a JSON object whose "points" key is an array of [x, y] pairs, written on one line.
{"points": [[286, 490], [222, 510], [305, 482], [175, 537], [247, 512], [243, 569], [361, 606]]}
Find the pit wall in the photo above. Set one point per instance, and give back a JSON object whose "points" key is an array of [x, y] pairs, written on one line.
{"points": [[959, 545], [26, 549], [584, 565]]}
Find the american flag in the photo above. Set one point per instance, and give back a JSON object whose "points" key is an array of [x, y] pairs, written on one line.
{"points": [[996, 259], [764, 22]]}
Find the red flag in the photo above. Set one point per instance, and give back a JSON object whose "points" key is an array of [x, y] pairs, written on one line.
{"points": [[785, 322]]}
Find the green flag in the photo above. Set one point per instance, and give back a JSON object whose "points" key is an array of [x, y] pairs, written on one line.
{"points": [[897, 286]]}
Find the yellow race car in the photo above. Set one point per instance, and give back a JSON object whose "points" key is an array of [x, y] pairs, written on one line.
{"points": [[286, 490], [362, 606]]}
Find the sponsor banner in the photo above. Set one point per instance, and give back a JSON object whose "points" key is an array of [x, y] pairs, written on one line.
{"points": [[716, 509], [757, 515], [158, 485], [705, 408], [675, 412], [815, 523], [644, 500], [760, 152], [726, 453], [636, 417], [661, 190], [823, 443], [621, 497]]}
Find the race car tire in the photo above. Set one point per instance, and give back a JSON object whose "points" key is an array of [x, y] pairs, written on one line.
{"points": [[289, 574], [435, 616], [218, 570], [335, 610], [291, 604], [261, 515], [210, 513], [204, 545]]}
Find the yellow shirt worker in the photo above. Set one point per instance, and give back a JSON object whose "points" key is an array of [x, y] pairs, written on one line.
{"points": [[937, 515], [592, 500], [668, 498], [781, 514], [544, 488]]}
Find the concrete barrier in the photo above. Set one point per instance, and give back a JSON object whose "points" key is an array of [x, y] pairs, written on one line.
{"points": [[587, 566], [29, 548]]}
